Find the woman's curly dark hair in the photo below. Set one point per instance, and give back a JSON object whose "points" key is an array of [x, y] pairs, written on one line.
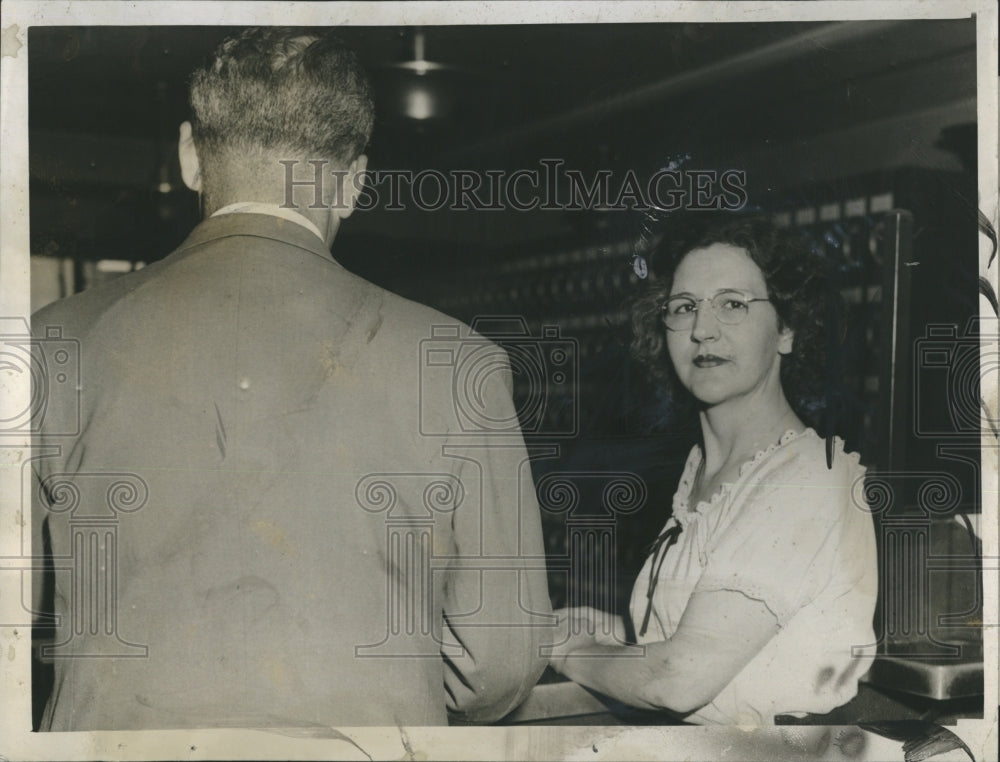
{"points": [[798, 286]]}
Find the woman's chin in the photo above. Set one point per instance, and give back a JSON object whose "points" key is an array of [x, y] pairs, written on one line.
{"points": [[709, 395]]}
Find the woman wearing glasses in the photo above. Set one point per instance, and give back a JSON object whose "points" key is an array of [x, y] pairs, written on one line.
{"points": [[757, 598]]}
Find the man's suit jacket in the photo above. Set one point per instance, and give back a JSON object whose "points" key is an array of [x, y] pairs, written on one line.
{"points": [[263, 509]]}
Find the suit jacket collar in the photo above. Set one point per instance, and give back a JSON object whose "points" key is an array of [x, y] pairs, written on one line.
{"points": [[257, 226]]}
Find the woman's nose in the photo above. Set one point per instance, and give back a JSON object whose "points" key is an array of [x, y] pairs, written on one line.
{"points": [[706, 324]]}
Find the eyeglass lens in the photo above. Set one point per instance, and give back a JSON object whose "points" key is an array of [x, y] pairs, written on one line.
{"points": [[729, 307]]}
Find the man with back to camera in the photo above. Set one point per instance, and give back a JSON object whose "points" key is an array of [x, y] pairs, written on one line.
{"points": [[264, 405]]}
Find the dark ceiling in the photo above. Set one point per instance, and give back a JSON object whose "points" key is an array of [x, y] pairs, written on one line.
{"points": [[105, 79], [775, 98], [501, 84]]}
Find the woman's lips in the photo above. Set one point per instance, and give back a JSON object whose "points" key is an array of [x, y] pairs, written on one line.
{"points": [[708, 361]]}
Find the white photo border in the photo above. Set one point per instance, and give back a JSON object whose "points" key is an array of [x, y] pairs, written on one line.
{"points": [[18, 742]]}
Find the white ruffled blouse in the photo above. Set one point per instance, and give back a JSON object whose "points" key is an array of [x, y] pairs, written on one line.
{"points": [[798, 537]]}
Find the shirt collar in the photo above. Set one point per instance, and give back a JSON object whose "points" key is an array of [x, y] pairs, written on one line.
{"points": [[256, 207]]}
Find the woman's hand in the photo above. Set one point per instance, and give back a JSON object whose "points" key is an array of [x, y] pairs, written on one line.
{"points": [[583, 629], [607, 628]]}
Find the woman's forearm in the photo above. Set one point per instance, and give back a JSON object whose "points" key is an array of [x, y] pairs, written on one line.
{"points": [[721, 632], [640, 676]]}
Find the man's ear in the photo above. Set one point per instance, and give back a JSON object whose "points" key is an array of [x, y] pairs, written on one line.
{"points": [[352, 186], [188, 155], [786, 340]]}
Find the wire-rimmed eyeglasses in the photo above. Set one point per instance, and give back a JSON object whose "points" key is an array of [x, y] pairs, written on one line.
{"points": [[729, 307]]}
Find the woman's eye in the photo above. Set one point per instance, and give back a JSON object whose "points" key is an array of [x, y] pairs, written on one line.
{"points": [[735, 305]]}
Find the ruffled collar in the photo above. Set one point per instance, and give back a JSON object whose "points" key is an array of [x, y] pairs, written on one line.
{"points": [[684, 514]]}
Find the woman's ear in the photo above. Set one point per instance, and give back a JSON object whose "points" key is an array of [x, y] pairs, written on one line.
{"points": [[188, 155], [786, 341]]}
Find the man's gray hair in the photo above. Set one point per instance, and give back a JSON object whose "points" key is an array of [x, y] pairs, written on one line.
{"points": [[299, 91]]}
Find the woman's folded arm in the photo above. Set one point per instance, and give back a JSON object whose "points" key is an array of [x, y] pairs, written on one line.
{"points": [[718, 635]]}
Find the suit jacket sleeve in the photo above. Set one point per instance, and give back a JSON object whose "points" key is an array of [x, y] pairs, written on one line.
{"points": [[499, 614]]}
